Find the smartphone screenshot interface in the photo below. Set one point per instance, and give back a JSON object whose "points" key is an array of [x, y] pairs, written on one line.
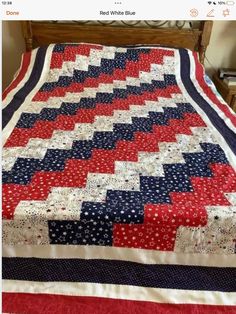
{"points": [[118, 156]]}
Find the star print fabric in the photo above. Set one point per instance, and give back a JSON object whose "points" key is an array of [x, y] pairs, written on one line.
{"points": [[115, 149]]}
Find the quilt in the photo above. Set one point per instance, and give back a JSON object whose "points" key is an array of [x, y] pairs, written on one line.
{"points": [[119, 184]]}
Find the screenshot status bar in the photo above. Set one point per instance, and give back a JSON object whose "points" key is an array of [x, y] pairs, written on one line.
{"points": [[118, 9]]}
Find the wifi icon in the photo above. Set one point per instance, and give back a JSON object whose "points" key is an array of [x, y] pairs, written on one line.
{"points": [[209, 2]]}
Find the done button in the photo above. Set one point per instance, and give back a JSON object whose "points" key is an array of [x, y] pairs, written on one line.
{"points": [[12, 13]]}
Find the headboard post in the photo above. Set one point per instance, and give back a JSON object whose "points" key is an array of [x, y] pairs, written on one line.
{"points": [[28, 35], [206, 27]]}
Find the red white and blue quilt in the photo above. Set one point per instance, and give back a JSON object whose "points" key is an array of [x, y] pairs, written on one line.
{"points": [[119, 184]]}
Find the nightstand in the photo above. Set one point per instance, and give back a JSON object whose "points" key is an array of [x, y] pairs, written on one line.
{"points": [[227, 92]]}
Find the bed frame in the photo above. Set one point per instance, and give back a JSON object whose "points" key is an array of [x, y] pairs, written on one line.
{"points": [[45, 32]]}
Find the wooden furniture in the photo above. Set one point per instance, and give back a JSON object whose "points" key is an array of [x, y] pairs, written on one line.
{"points": [[227, 92], [44, 33]]}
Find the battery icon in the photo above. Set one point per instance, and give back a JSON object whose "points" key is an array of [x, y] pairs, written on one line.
{"points": [[230, 3]]}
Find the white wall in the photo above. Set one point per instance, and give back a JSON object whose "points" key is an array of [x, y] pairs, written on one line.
{"points": [[221, 51], [12, 48]]}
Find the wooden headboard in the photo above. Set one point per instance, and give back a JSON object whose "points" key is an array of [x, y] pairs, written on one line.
{"points": [[44, 33]]}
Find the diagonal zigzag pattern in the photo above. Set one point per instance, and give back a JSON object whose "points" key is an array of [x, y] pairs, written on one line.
{"points": [[55, 159], [121, 61], [44, 128], [91, 92], [162, 221], [156, 73], [130, 221], [27, 120], [107, 73], [28, 166], [65, 203], [146, 214], [126, 177], [155, 190], [37, 148], [142, 81], [75, 171]]}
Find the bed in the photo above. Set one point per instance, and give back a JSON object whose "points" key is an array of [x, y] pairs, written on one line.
{"points": [[119, 174]]}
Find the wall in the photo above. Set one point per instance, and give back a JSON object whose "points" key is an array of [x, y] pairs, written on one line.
{"points": [[220, 53], [222, 49], [12, 48]]}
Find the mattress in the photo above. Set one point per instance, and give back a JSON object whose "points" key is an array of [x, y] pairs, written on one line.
{"points": [[119, 184]]}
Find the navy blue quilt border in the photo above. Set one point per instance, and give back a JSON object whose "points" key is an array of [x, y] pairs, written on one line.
{"points": [[213, 116], [120, 272], [20, 96]]}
